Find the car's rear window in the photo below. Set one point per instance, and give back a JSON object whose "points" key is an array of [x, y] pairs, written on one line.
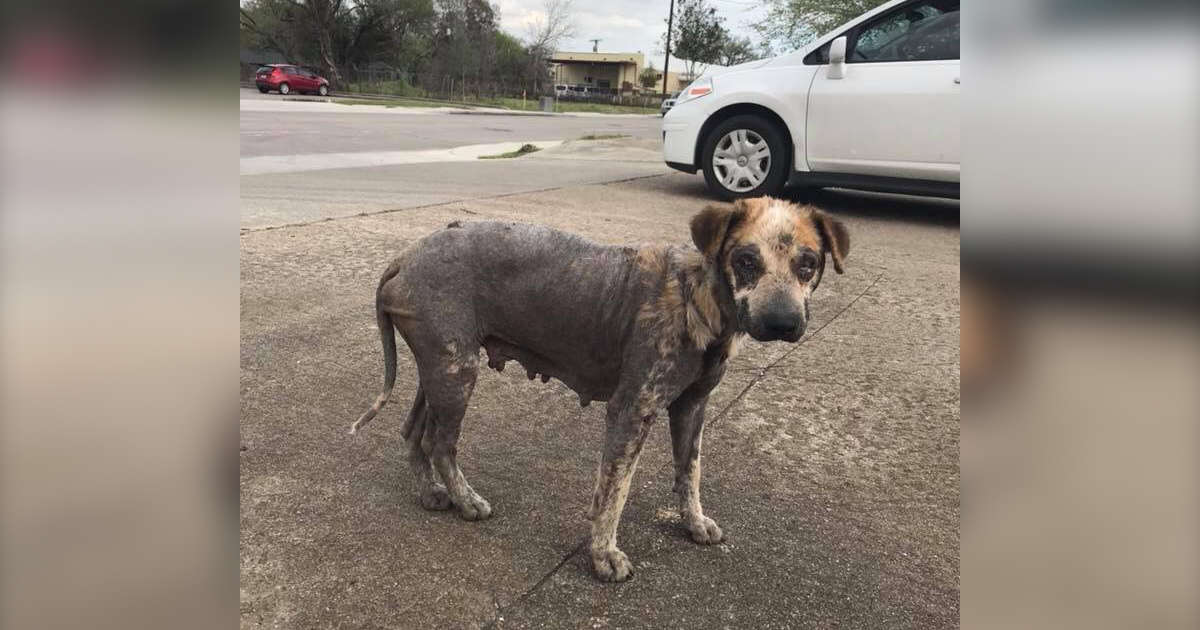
{"points": [[262, 69]]}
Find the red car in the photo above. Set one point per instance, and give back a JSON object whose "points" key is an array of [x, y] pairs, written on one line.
{"points": [[287, 79]]}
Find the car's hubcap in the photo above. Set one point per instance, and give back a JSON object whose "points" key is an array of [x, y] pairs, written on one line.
{"points": [[741, 160], [284, 89]]}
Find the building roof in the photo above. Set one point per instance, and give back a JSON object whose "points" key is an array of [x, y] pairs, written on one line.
{"points": [[599, 57]]}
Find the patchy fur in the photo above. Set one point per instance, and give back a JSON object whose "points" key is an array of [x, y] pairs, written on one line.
{"points": [[642, 329]]}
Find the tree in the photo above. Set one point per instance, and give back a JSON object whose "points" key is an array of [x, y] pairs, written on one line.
{"points": [[649, 76], [545, 33], [323, 18], [698, 35], [735, 50], [555, 23], [791, 24]]}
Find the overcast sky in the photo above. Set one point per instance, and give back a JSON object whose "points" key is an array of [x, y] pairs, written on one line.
{"points": [[626, 25]]}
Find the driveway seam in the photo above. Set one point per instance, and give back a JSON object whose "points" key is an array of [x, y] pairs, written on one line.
{"points": [[372, 213]]}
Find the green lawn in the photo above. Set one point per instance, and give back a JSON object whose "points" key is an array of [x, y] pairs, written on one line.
{"points": [[567, 106], [398, 102], [500, 102]]}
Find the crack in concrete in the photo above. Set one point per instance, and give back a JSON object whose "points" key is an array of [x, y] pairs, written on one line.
{"points": [[537, 585], [761, 373]]}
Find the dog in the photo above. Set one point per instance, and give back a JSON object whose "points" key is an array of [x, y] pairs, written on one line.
{"points": [[642, 329]]}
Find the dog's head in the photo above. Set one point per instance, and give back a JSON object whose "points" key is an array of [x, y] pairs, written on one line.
{"points": [[771, 253]]}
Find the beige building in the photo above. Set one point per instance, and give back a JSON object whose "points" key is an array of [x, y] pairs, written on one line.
{"points": [[676, 81], [611, 73], [615, 72]]}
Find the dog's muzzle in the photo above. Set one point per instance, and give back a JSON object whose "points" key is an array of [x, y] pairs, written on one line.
{"points": [[782, 326]]}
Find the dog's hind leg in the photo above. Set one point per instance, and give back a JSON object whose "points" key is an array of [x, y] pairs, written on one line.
{"points": [[449, 388], [418, 432]]}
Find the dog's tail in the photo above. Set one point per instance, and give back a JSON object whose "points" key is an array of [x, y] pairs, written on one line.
{"points": [[387, 334]]}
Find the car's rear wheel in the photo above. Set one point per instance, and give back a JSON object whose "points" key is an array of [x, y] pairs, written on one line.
{"points": [[323, 90], [264, 90], [745, 156], [285, 89]]}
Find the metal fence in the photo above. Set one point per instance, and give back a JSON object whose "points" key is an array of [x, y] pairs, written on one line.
{"points": [[385, 80]]}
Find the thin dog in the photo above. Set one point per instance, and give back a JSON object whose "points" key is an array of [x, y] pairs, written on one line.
{"points": [[642, 329]]}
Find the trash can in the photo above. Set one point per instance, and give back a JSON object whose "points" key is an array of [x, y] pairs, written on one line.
{"points": [[547, 103]]}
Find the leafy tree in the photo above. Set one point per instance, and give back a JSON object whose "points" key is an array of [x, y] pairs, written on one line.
{"points": [[735, 50], [648, 77], [439, 39], [698, 35], [791, 24]]}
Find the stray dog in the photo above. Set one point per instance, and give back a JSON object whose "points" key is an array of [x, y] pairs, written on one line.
{"points": [[640, 328]]}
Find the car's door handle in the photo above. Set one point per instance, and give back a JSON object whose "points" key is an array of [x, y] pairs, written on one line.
{"points": [[956, 81]]}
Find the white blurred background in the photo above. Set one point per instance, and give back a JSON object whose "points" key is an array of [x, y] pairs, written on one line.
{"points": [[1080, 351]]}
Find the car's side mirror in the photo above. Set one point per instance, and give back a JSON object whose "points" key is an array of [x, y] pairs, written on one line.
{"points": [[837, 58]]}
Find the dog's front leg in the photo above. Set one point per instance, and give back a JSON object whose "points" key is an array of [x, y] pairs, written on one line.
{"points": [[628, 423], [687, 432]]}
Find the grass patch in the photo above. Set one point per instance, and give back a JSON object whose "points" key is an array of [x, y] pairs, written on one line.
{"points": [[389, 102], [525, 148], [391, 88], [417, 98], [604, 136], [531, 104], [602, 108]]}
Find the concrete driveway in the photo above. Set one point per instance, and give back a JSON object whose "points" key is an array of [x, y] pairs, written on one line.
{"points": [[831, 464]]}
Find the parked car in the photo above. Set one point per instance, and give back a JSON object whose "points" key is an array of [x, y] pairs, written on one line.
{"points": [[288, 78], [668, 103], [873, 105]]}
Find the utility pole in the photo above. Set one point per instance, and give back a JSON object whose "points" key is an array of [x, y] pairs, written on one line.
{"points": [[596, 42], [667, 59]]}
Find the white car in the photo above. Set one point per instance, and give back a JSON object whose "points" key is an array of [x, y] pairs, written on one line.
{"points": [[667, 104], [872, 105]]}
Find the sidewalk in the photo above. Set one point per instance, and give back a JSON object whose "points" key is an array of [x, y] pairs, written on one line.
{"points": [[832, 465]]}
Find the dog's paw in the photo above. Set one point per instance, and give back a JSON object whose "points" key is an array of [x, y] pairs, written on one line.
{"points": [[612, 565], [474, 508], [435, 498], [705, 531]]}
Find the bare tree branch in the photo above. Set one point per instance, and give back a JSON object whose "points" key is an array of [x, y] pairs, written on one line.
{"points": [[556, 23]]}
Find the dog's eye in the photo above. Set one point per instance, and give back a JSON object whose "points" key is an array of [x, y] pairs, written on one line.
{"points": [[747, 262], [806, 266]]}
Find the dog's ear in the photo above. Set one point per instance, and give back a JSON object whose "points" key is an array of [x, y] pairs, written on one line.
{"points": [[712, 224], [835, 237]]}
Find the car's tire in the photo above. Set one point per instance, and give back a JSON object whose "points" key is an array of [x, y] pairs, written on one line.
{"points": [[285, 89], [745, 156], [323, 90], [264, 90]]}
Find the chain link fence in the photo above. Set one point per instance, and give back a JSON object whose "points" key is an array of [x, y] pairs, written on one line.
{"points": [[379, 79]]}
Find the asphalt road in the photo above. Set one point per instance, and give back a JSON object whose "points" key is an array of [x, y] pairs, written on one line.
{"points": [[831, 464], [299, 128], [287, 133]]}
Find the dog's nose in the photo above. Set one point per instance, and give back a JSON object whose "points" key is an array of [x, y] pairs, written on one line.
{"points": [[784, 324]]}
